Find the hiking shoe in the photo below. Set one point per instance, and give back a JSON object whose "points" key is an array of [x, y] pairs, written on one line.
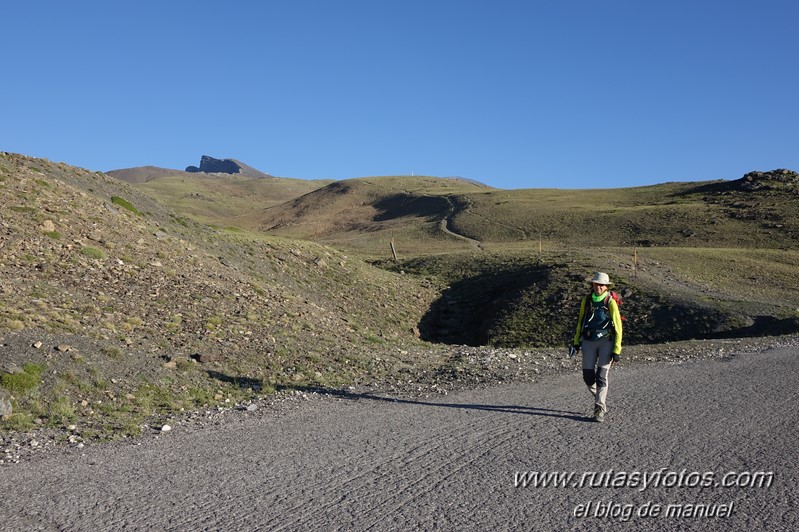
{"points": [[599, 416]]}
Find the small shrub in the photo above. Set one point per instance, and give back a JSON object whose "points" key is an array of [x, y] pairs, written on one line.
{"points": [[61, 412], [19, 421], [201, 397], [111, 351], [55, 235], [12, 324], [130, 428], [373, 339], [125, 204], [93, 252], [131, 324], [23, 382], [213, 323], [185, 365]]}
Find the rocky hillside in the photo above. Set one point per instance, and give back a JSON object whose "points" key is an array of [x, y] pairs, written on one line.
{"points": [[105, 293]]}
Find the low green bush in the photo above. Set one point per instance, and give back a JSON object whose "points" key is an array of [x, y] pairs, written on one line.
{"points": [[125, 204], [23, 382], [93, 252]]}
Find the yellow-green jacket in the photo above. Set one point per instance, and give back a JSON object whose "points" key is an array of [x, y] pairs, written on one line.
{"points": [[615, 318]]}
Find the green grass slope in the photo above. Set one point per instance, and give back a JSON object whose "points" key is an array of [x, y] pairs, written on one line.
{"points": [[717, 214], [419, 214], [714, 258], [225, 201], [365, 214]]}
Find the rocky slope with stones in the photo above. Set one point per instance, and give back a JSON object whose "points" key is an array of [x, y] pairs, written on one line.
{"points": [[118, 309]]}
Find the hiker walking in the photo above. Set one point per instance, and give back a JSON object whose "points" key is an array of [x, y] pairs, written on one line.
{"points": [[598, 333]]}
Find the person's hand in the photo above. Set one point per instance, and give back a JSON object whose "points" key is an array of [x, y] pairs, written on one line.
{"points": [[616, 357], [573, 350]]}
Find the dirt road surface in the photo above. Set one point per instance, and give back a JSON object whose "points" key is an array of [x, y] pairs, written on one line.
{"points": [[675, 437]]}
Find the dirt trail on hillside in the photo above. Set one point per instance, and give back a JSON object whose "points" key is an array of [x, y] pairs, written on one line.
{"points": [[446, 226], [369, 462]]}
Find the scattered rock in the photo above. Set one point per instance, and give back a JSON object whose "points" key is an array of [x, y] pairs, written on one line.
{"points": [[10, 368], [166, 428], [63, 348], [5, 408], [37, 345]]}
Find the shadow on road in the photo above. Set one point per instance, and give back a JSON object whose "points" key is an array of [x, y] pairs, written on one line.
{"points": [[505, 409]]}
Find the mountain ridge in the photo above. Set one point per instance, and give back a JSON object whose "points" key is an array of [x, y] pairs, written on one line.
{"points": [[208, 166]]}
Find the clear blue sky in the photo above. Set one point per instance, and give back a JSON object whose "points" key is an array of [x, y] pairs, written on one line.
{"points": [[517, 94]]}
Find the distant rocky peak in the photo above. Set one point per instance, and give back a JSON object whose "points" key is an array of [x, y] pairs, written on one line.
{"points": [[211, 165]]}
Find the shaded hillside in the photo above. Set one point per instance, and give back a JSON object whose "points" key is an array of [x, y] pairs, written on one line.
{"points": [[517, 300]]}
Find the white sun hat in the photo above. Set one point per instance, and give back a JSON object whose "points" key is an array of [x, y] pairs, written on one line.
{"points": [[601, 278]]}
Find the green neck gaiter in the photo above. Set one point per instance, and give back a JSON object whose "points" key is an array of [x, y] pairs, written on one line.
{"points": [[598, 298]]}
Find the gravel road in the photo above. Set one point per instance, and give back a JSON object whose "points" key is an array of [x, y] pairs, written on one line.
{"points": [[368, 462]]}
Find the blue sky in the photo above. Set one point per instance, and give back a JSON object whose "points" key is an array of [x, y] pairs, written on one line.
{"points": [[517, 94]]}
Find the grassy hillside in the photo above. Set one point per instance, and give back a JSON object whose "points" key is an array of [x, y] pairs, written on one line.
{"points": [[713, 259], [717, 214], [225, 201], [115, 308], [422, 214], [365, 214], [154, 312]]}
